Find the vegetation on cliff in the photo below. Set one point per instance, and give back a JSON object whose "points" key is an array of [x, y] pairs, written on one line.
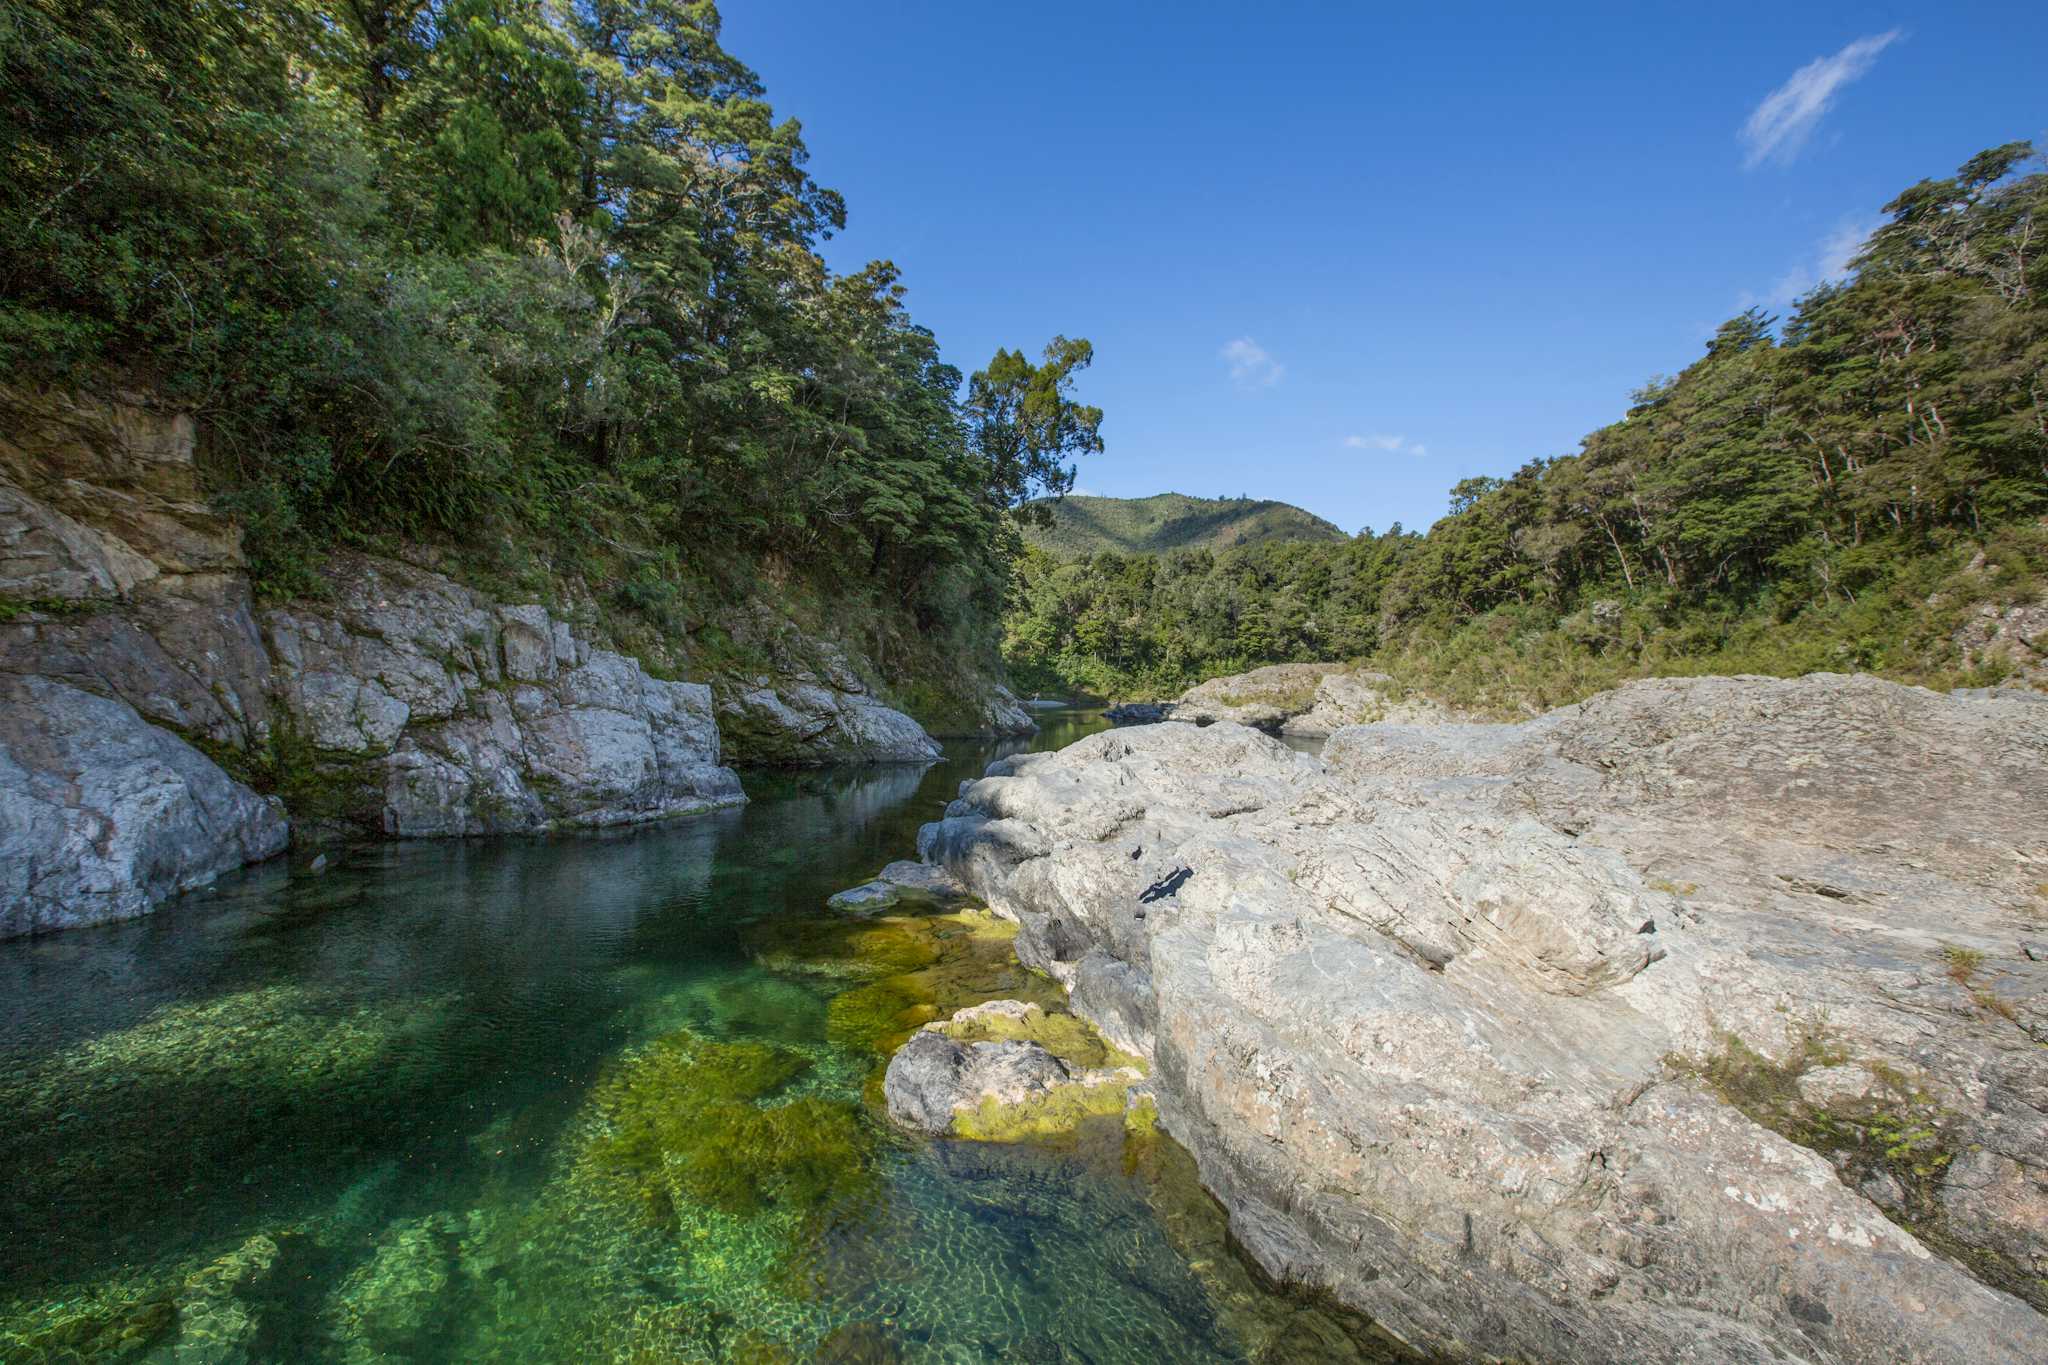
{"points": [[1837, 489], [537, 279]]}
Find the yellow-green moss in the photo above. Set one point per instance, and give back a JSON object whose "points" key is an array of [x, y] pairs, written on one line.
{"points": [[1141, 1116], [879, 1015], [1057, 1111], [684, 1122], [1071, 1039]]}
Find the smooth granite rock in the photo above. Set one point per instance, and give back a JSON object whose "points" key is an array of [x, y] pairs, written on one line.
{"points": [[1441, 1014], [1308, 701], [812, 721], [103, 815]]}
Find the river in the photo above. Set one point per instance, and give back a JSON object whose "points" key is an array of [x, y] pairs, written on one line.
{"points": [[390, 1111]]}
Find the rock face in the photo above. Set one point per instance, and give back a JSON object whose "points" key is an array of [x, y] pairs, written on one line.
{"points": [[1003, 716], [407, 703], [102, 814], [815, 719], [1310, 701], [1692, 1022], [446, 714]]}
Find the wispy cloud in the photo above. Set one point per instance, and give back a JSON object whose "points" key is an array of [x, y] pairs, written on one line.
{"points": [[1829, 261], [1779, 127], [1251, 364], [1392, 444]]}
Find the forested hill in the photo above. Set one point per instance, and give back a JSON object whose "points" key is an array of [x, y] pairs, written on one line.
{"points": [[1860, 485], [537, 282], [1083, 525]]}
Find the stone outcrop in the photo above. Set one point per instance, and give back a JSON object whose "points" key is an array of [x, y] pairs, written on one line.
{"points": [[134, 664], [439, 713], [102, 814], [1693, 1022], [1309, 701], [817, 716], [899, 883], [1004, 716]]}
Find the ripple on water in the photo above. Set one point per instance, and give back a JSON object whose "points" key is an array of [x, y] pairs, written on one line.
{"points": [[578, 1099]]}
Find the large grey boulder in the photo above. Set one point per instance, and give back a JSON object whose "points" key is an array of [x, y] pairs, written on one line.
{"points": [[1690, 1023], [812, 721], [103, 815], [439, 712]]}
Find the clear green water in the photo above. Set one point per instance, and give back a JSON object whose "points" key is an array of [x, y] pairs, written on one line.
{"points": [[364, 1115]]}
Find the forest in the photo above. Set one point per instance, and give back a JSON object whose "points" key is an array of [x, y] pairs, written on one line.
{"points": [[539, 280], [1836, 489]]}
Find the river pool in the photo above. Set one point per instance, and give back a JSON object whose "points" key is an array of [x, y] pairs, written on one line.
{"points": [[580, 1098]]}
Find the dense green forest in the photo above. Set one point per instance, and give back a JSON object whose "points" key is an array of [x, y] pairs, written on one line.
{"points": [[1835, 489], [1082, 524], [537, 278]]}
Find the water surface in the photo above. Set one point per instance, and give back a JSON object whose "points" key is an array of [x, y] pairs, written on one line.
{"points": [[373, 1114]]}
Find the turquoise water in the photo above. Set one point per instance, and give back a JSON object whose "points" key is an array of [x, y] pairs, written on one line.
{"points": [[373, 1114]]}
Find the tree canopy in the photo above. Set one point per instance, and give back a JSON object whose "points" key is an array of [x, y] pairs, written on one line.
{"points": [[433, 267]]}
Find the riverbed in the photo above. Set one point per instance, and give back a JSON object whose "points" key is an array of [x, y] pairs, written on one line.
{"points": [[403, 1108]]}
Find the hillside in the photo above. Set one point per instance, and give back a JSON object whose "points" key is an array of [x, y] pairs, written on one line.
{"points": [[1860, 486], [1172, 521]]}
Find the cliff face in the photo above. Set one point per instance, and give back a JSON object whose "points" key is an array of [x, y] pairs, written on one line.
{"points": [[1703, 1020], [160, 727]]}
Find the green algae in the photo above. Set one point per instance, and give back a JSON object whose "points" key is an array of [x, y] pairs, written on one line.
{"points": [[1053, 1113], [684, 1125], [1141, 1116]]}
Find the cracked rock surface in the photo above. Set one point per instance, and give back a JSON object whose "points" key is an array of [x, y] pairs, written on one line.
{"points": [[1692, 1022]]}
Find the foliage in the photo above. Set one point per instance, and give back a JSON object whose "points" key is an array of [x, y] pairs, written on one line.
{"points": [[1084, 525], [1832, 495], [503, 272]]}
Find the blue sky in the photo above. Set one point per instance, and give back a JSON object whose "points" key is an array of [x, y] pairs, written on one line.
{"points": [[1345, 255]]}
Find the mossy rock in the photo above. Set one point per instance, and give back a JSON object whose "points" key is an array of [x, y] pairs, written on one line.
{"points": [[1055, 1113], [1066, 1036]]}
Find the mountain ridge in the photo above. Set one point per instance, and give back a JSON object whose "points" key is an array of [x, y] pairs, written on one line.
{"points": [[1085, 524]]}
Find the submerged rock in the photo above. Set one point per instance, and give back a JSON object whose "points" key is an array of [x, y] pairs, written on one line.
{"points": [[900, 882], [1497, 1033]]}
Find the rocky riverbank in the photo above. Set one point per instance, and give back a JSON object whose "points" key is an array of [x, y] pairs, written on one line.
{"points": [[1304, 701], [1703, 1020], [161, 726]]}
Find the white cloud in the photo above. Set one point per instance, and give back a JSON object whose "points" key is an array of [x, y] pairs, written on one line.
{"points": [[1392, 444], [1779, 127], [1251, 364], [1829, 261]]}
